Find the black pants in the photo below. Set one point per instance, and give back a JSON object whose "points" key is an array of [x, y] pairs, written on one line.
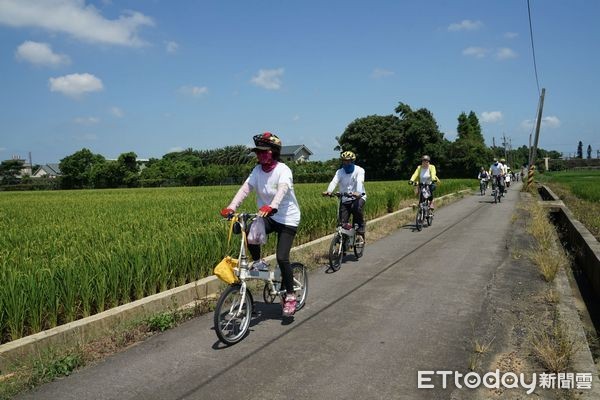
{"points": [[285, 237], [354, 207], [499, 182]]}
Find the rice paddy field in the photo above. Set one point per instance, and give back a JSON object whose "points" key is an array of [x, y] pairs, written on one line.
{"points": [[65, 255], [580, 190]]}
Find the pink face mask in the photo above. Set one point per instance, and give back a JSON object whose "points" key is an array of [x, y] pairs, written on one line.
{"points": [[266, 161], [264, 157]]}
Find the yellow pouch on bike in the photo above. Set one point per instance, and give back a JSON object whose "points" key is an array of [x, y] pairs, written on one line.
{"points": [[224, 270]]}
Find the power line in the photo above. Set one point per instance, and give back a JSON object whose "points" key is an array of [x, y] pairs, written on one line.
{"points": [[533, 49]]}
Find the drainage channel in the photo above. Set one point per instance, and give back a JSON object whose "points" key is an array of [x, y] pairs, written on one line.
{"points": [[585, 267]]}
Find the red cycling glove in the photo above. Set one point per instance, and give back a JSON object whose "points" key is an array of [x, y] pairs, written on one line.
{"points": [[226, 212], [266, 209]]}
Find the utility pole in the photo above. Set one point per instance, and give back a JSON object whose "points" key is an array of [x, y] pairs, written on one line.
{"points": [[533, 152], [504, 143], [494, 142]]}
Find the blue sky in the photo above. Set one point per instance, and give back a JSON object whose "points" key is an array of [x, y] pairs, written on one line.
{"points": [[159, 76]]}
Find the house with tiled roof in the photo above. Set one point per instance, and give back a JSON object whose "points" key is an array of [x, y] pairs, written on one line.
{"points": [[47, 171], [295, 153]]}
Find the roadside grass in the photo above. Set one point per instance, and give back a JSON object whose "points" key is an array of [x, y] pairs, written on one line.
{"points": [[546, 253], [480, 348], [552, 346], [55, 362]]}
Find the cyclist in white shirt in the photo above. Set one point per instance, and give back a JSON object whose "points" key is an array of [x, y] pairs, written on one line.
{"points": [[497, 174], [272, 180], [505, 169], [351, 179]]}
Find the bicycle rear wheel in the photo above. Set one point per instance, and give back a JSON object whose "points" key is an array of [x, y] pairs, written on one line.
{"points": [[336, 252], [300, 284], [232, 317], [359, 245]]}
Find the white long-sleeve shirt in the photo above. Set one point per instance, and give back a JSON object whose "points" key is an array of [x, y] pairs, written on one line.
{"points": [[354, 182], [496, 169]]}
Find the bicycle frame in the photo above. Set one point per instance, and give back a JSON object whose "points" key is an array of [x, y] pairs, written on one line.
{"points": [[347, 235], [242, 271]]}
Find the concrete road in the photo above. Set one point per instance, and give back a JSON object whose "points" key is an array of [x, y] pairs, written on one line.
{"points": [[408, 305]]}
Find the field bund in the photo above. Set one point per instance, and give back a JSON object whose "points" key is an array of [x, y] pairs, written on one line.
{"points": [[95, 326]]}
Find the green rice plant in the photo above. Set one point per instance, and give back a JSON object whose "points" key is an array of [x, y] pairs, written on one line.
{"points": [[68, 292], [15, 302]]}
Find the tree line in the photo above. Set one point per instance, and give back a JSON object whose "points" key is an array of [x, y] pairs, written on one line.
{"points": [[388, 147]]}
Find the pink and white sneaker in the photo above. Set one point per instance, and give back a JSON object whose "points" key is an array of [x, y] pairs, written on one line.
{"points": [[289, 305]]}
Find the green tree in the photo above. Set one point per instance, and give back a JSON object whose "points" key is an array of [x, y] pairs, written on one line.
{"points": [[580, 150], [468, 152], [420, 135], [9, 171], [76, 168], [376, 141]]}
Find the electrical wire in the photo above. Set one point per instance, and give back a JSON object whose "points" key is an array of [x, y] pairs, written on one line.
{"points": [[533, 49]]}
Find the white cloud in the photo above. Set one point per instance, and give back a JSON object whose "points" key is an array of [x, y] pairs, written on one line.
{"points": [[40, 54], [195, 91], [379, 73], [86, 120], [477, 52], [74, 17], [465, 25], [175, 149], [172, 47], [491, 116], [511, 35], [550, 121], [505, 53], [296, 118], [75, 85], [269, 79], [116, 111]]}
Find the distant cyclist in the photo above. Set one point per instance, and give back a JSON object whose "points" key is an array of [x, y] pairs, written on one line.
{"points": [[272, 180], [351, 179], [425, 174], [483, 176], [506, 170], [497, 174]]}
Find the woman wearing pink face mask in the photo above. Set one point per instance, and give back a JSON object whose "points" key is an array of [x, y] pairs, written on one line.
{"points": [[273, 182]]}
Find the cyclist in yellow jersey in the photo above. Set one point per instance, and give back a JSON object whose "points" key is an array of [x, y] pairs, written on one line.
{"points": [[425, 174]]}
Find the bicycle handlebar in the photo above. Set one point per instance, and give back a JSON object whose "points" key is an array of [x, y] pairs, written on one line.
{"points": [[344, 194], [241, 215]]}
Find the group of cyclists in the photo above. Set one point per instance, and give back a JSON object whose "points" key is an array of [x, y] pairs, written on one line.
{"points": [[499, 173], [276, 200]]}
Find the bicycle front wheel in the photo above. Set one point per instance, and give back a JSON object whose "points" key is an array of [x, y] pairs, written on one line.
{"points": [[300, 284], [232, 315], [419, 219], [336, 252]]}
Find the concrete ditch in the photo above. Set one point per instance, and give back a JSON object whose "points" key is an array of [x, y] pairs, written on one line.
{"points": [[578, 308]]}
